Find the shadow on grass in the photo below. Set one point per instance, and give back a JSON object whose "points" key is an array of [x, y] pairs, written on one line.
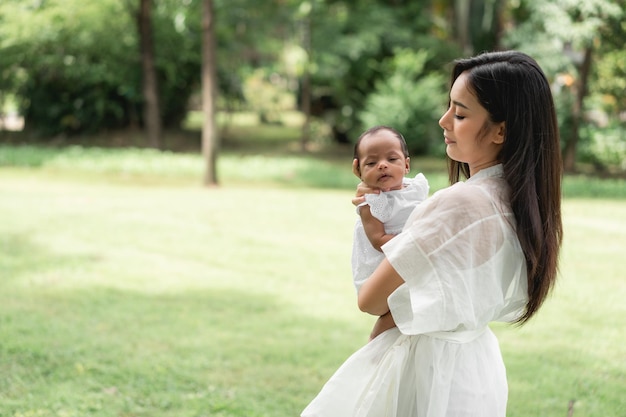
{"points": [[101, 351], [210, 352]]}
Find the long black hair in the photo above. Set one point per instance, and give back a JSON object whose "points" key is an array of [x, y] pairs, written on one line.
{"points": [[514, 89]]}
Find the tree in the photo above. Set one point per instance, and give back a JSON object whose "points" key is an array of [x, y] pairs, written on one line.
{"points": [[151, 110], [305, 99], [70, 74], [209, 131], [478, 25], [75, 67], [353, 46], [409, 100], [562, 35]]}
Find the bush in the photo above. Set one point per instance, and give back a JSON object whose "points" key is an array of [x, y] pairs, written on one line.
{"points": [[605, 147], [77, 66], [408, 100]]}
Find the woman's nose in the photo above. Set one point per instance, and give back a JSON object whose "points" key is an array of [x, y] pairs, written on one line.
{"points": [[443, 121]]}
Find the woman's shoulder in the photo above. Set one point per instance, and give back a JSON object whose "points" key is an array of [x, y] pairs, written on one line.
{"points": [[471, 199], [462, 193]]}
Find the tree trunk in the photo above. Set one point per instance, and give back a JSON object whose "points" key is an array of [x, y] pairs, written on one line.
{"points": [[499, 24], [462, 19], [569, 152], [306, 84], [151, 112], [209, 130]]}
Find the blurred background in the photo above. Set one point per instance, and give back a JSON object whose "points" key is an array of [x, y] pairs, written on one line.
{"points": [[128, 73], [128, 289]]}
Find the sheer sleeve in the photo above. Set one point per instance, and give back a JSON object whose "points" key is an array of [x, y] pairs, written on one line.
{"points": [[461, 263]]}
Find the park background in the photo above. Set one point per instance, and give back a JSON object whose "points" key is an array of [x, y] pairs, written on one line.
{"points": [[161, 260]]}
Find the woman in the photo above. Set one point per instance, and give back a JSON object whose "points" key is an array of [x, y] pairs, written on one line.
{"points": [[478, 251]]}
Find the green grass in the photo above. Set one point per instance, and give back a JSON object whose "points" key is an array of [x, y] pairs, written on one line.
{"points": [[259, 164], [127, 289], [330, 169]]}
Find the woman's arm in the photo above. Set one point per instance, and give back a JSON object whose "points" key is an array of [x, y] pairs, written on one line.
{"points": [[377, 288]]}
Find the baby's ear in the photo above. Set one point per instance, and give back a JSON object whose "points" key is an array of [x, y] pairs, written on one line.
{"points": [[407, 163], [356, 170]]}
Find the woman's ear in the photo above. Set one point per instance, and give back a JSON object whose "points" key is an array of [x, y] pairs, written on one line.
{"points": [[500, 133], [356, 170]]}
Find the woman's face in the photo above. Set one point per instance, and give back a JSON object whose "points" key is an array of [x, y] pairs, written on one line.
{"points": [[469, 134], [382, 163]]}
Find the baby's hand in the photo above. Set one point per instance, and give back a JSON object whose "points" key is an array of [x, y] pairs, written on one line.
{"points": [[384, 323], [361, 190]]}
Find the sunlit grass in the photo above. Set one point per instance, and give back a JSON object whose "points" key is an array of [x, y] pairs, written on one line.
{"points": [[128, 289], [168, 301], [331, 169]]}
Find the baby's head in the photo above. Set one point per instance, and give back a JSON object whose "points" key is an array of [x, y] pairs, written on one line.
{"points": [[381, 158]]}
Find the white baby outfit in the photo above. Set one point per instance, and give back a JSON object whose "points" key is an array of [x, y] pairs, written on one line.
{"points": [[392, 208], [463, 267]]}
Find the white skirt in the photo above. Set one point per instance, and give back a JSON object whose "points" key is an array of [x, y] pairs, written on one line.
{"points": [[397, 375]]}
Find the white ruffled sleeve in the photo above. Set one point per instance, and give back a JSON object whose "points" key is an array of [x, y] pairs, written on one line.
{"points": [[381, 206], [388, 205], [419, 187]]}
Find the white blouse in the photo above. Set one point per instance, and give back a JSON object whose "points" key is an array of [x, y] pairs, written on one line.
{"points": [[460, 258]]}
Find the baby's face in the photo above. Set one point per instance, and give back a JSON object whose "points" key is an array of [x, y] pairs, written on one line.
{"points": [[382, 163]]}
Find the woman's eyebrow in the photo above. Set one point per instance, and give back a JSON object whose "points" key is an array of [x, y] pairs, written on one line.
{"points": [[458, 103]]}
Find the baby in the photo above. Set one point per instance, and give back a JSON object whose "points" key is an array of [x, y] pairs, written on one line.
{"points": [[381, 160]]}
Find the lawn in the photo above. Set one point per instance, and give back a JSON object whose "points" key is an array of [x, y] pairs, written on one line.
{"points": [[127, 289]]}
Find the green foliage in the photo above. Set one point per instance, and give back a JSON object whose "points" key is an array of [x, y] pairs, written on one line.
{"points": [[77, 64], [557, 33], [605, 147], [610, 75], [610, 81], [176, 26], [353, 43], [408, 100], [71, 64], [251, 36], [268, 95]]}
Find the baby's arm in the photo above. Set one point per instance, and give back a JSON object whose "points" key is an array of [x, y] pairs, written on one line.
{"points": [[383, 323], [374, 228]]}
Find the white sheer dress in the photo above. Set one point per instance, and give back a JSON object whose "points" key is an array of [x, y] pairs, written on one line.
{"points": [[463, 267]]}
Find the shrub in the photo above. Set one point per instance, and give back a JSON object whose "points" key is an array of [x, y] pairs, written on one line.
{"points": [[408, 100]]}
